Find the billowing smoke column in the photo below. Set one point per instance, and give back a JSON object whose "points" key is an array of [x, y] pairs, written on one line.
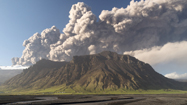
{"points": [[37, 47], [140, 25]]}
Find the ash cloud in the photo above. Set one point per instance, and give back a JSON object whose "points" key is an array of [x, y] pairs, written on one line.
{"points": [[37, 47], [141, 25]]}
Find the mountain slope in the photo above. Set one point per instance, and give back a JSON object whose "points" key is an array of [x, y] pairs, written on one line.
{"points": [[7, 74], [106, 70]]}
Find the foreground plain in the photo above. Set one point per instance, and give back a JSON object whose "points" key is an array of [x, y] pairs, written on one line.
{"points": [[159, 99]]}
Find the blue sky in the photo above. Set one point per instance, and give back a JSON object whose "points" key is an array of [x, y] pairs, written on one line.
{"points": [[20, 19]]}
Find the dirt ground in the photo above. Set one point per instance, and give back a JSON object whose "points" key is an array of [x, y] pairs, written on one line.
{"points": [[180, 99], [163, 99]]}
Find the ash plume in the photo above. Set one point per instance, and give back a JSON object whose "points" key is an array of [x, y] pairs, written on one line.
{"points": [[141, 25], [37, 46]]}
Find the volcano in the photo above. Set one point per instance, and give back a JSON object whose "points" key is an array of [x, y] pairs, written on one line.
{"points": [[105, 70]]}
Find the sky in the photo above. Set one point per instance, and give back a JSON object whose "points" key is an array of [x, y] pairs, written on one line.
{"points": [[154, 31]]}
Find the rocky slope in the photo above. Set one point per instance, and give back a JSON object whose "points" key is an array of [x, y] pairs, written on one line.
{"points": [[106, 70]]}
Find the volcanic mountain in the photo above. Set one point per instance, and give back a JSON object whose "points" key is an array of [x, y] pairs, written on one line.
{"points": [[106, 70]]}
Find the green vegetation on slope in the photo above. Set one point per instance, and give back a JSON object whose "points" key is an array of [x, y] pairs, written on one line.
{"points": [[63, 90]]}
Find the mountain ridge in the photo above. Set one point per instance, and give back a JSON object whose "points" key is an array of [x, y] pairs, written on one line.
{"points": [[105, 70]]}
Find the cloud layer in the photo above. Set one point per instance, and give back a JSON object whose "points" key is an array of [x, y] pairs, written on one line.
{"points": [[174, 75], [141, 25], [170, 52], [15, 67]]}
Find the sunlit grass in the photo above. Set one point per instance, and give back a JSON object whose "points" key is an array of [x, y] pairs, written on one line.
{"points": [[63, 90]]}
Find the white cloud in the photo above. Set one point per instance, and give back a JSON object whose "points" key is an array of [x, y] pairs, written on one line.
{"points": [[174, 75], [15, 67], [170, 52]]}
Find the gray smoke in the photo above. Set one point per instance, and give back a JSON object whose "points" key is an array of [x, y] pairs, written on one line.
{"points": [[37, 47], [140, 25]]}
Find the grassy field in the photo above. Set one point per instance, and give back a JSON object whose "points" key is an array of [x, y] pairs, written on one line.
{"points": [[63, 90]]}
